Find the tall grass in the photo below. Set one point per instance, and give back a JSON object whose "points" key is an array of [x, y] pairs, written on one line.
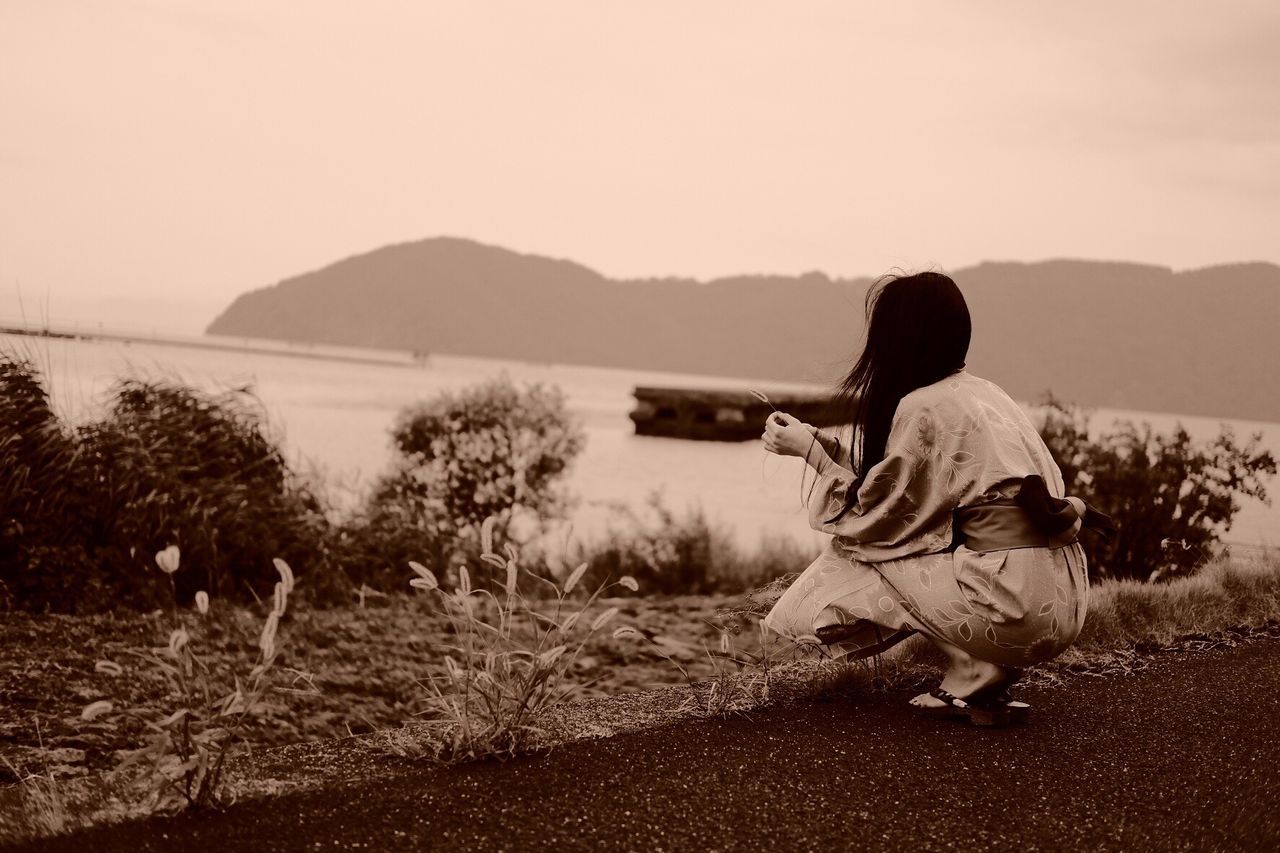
{"points": [[82, 505], [1226, 594], [510, 658], [40, 508], [673, 554], [186, 753], [44, 808]]}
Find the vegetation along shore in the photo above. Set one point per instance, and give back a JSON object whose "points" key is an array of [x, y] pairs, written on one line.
{"points": [[177, 595]]}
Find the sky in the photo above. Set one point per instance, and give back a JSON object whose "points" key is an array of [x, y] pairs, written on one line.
{"points": [[159, 158]]}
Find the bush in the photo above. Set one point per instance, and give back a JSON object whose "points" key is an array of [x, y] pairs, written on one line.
{"points": [[687, 555], [166, 465], [41, 498], [1171, 498], [170, 465], [490, 450]]}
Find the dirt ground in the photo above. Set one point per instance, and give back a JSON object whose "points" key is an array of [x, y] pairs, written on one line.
{"points": [[343, 671]]}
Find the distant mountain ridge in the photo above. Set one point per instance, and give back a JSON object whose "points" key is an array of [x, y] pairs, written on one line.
{"points": [[1117, 335]]}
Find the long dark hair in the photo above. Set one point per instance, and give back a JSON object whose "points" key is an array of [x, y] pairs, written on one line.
{"points": [[918, 332]]}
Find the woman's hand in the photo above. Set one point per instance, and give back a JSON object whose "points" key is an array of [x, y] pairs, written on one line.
{"points": [[787, 436]]}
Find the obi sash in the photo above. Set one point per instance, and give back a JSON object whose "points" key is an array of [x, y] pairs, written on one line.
{"points": [[1031, 519]]}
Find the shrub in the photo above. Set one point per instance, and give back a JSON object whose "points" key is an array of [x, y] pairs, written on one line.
{"points": [[687, 555], [490, 450], [1171, 498], [174, 465], [165, 465], [40, 498]]}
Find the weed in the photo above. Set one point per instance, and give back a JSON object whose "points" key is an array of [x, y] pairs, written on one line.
{"points": [[743, 680], [186, 754], [44, 812], [690, 553], [510, 656]]}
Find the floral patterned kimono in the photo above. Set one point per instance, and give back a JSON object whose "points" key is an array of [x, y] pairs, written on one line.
{"points": [[889, 570]]}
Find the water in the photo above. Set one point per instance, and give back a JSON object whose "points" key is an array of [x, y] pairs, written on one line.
{"points": [[335, 415]]}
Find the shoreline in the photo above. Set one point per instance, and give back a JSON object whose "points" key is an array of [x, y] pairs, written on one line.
{"points": [[208, 344]]}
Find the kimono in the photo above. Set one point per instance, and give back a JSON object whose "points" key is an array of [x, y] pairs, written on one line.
{"points": [[890, 568]]}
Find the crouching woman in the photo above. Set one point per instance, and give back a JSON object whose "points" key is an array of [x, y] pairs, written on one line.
{"points": [[946, 511]]}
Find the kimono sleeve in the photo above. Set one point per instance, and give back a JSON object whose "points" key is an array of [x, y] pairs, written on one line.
{"points": [[838, 444], [905, 505]]}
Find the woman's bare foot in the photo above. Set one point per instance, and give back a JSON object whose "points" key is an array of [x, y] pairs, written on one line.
{"points": [[965, 677]]}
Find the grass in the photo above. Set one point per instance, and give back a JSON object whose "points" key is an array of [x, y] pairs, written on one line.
{"points": [[367, 665], [674, 553], [44, 810], [186, 752], [44, 806], [1128, 616], [509, 657]]}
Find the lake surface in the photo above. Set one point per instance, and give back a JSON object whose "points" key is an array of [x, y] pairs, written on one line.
{"points": [[336, 415]]}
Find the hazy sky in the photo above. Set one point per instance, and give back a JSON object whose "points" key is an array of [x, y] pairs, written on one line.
{"points": [[157, 158]]}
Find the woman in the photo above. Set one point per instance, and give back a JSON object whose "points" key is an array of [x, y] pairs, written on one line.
{"points": [[947, 517]]}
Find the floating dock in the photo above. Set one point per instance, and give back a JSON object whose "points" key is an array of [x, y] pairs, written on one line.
{"points": [[722, 415]]}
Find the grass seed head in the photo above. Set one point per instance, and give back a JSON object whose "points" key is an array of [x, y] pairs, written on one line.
{"points": [[424, 574], [202, 602], [286, 574], [108, 667], [96, 709], [629, 582], [267, 640], [603, 618], [169, 559], [574, 577], [486, 535], [177, 640], [760, 395]]}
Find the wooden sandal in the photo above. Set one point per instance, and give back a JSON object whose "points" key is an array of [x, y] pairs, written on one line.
{"points": [[978, 710], [993, 713], [997, 696], [952, 706], [1019, 712]]}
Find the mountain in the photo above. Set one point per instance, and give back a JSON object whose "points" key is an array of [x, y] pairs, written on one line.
{"points": [[1117, 335]]}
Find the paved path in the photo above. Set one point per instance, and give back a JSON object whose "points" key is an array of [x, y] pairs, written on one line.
{"points": [[1182, 755]]}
